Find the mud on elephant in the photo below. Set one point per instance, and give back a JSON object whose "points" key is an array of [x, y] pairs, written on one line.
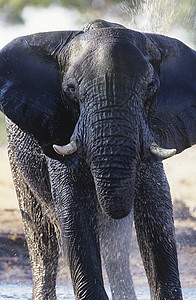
{"points": [[91, 114]]}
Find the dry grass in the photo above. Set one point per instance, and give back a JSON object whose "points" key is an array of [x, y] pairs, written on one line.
{"points": [[181, 174], [7, 193]]}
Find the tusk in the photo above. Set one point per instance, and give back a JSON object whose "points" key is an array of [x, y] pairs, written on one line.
{"points": [[161, 152], [66, 149]]}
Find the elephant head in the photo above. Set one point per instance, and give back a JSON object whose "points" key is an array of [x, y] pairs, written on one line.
{"points": [[114, 93]]}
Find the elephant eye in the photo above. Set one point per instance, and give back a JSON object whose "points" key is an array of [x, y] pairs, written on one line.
{"points": [[70, 100], [71, 88], [151, 91], [71, 92], [153, 86]]}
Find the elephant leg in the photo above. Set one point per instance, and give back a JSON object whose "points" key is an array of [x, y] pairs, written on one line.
{"points": [[41, 240], [115, 242], [43, 250], [153, 214], [81, 244], [75, 202]]}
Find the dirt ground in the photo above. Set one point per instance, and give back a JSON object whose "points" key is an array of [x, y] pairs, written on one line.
{"points": [[181, 173]]}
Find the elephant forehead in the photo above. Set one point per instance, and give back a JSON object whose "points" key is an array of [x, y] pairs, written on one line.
{"points": [[109, 49], [105, 38]]}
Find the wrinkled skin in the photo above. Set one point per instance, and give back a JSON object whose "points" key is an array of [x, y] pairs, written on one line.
{"points": [[112, 91]]}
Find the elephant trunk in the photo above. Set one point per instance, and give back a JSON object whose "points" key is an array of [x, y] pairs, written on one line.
{"points": [[115, 192], [113, 159]]}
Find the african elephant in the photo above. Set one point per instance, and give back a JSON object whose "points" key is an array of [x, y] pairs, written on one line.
{"points": [[88, 114]]}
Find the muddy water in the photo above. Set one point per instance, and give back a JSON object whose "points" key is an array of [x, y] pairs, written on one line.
{"points": [[24, 292]]}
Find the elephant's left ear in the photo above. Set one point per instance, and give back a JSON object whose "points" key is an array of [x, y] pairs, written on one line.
{"points": [[173, 114], [30, 87]]}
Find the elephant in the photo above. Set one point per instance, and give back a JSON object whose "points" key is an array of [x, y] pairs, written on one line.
{"points": [[91, 115]]}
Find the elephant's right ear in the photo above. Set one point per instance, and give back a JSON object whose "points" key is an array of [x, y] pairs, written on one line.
{"points": [[30, 88], [173, 113]]}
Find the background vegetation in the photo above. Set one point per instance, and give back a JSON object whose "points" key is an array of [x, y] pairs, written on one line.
{"points": [[180, 13], [12, 8]]}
